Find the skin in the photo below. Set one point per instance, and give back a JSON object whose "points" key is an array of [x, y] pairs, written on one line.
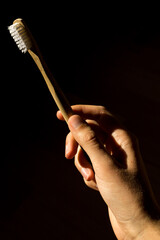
{"points": [[116, 171]]}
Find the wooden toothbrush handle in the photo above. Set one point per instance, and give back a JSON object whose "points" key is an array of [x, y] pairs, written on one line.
{"points": [[56, 92]]}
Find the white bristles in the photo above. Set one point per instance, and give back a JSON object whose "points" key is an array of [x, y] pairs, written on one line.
{"points": [[20, 36]]}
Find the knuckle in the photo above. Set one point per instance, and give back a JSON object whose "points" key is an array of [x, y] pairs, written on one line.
{"points": [[89, 137]]}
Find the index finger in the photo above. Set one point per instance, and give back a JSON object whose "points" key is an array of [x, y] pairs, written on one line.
{"points": [[86, 111], [98, 113]]}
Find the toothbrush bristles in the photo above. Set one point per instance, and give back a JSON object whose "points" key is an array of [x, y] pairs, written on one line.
{"points": [[20, 36]]}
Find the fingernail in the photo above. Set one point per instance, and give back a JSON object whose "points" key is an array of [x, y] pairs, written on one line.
{"points": [[85, 172], [76, 122]]}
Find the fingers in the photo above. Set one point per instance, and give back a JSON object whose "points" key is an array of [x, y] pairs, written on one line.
{"points": [[81, 162], [60, 116], [87, 138], [86, 111], [83, 166], [90, 111], [98, 113], [70, 146]]}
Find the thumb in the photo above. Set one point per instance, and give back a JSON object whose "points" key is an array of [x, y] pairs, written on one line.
{"points": [[88, 140]]}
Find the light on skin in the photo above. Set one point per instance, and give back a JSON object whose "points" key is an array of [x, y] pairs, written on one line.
{"points": [[117, 171]]}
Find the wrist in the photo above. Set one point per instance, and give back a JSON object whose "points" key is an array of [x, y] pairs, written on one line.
{"points": [[147, 225], [143, 227], [150, 231]]}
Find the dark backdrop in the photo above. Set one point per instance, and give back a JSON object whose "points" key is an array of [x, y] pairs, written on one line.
{"points": [[98, 56]]}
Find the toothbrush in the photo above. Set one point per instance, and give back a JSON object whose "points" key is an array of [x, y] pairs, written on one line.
{"points": [[26, 43]]}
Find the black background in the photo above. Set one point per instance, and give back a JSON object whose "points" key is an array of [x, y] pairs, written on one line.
{"points": [[98, 55]]}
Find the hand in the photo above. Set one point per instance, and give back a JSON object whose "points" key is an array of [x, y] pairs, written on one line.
{"points": [[117, 170]]}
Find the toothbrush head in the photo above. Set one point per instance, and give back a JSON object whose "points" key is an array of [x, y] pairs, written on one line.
{"points": [[21, 35]]}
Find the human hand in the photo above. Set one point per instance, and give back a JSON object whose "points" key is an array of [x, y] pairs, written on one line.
{"points": [[117, 170]]}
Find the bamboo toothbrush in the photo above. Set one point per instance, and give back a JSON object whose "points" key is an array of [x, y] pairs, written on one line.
{"points": [[26, 43]]}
